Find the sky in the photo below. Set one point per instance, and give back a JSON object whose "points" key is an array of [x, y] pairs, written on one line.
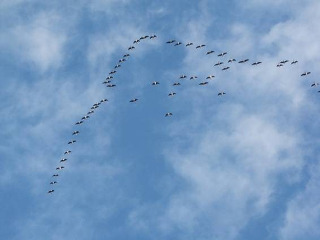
{"points": [[241, 166]]}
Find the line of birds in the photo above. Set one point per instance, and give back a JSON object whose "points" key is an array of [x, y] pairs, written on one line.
{"points": [[109, 83]]}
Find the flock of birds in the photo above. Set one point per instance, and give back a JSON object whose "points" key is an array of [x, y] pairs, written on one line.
{"points": [[110, 84]]}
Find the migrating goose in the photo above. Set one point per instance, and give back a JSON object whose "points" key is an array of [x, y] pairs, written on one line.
{"points": [[94, 107], [168, 114], [77, 123], [63, 159], [67, 152], [144, 37], [122, 60], [209, 52], [193, 77], [256, 63], [222, 54], [231, 60], [284, 61], [126, 55], [189, 44], [305, 74], [218, 63], [112, 72], [131, 47], [183, 76], [314, 84], [155, 83], [294, 62], [178, 43], [279, 65], [203, 83], [171, 41], [201, 46], [176, 84], [225, 68], [90, 112], [85, 117], [60, 168], [111, 85], [210, 77], [221, 93], [54, 182], [103, 100], [71, 142], [153, 36], [117, 66], [243, 61], [75, 133], [51, 191], [55, 175], [171, 94], [136, 41], [106, 82], [109, 77], [134, 100]]}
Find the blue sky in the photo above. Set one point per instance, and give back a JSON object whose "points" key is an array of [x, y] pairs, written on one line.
{"points": [[241, 166]]}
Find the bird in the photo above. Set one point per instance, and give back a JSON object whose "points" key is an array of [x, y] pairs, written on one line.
{"points": [[314, 84], [279, 65], [210, 77], [182, 76], [209, 52], [218, 63], [284, 61], [94, 107], [117, 66], [171, 41], [171, 94], [51, 191], [67, 152], [131, 47], [60, 168], [153, 36], [134, 100], [256, 63], [77, 123], [103, 100], [305, 74], [243, 61], [122, 60], [221, 93], [112, 72], [203, 83], [106, 82], [231, 60], [90, 112], [54, 182], [294, 62], [193, 77], [85, 117], [63, 159], [168, 114], [176, 84], [144, 37], [126, 55], [71, 142], [111, 85], [55, 175], [75, 132], [200, 46], [136, 41], [225, 68], [155, 83], [109, 77], [222, 54], [178, 43], [189, 44]]}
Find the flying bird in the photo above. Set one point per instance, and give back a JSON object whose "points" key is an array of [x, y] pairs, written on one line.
{"points": [[106, 82], [171, 41], [90, 112], [193, 77], [77, 123], [218, 63], [134, 100], [153, 36], [256, 63], [171, 94], [231, 60], [60, 168], [122, 60], [209, 52], [178, 43], [284, 61], [221, 93], [294, 62], [71, 142], [222, 54], [63, 159], [131, 47], [314, 84], [155, 83], [111, 85], [176, 84], [305, 74], [75, 133], [279, 65], [112, 72], [51, 191], [200, 46], [203, 83], [85, 117], [183, 76], [168, 114], [126, 55], [103, 100], [225, 68], [136, 41], [243, 61], [67, 152], [189, 44], [109, 77], [55, 175], [54, 182]]}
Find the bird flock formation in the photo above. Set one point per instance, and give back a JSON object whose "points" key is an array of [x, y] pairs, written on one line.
{"points": [[110, 84]]}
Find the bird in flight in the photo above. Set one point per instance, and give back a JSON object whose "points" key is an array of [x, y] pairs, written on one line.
{"points": [[189, 44], [222, 54], [209, 52], [168, 114], [171, 94], [221, 93], [71, 142], [243, 61], [203, 83], [256, 63], [305, 74], [75, 132], [155, 83], [134, 100]]}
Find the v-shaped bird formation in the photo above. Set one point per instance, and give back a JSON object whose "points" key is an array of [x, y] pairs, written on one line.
{"points": [[110, 78]]}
